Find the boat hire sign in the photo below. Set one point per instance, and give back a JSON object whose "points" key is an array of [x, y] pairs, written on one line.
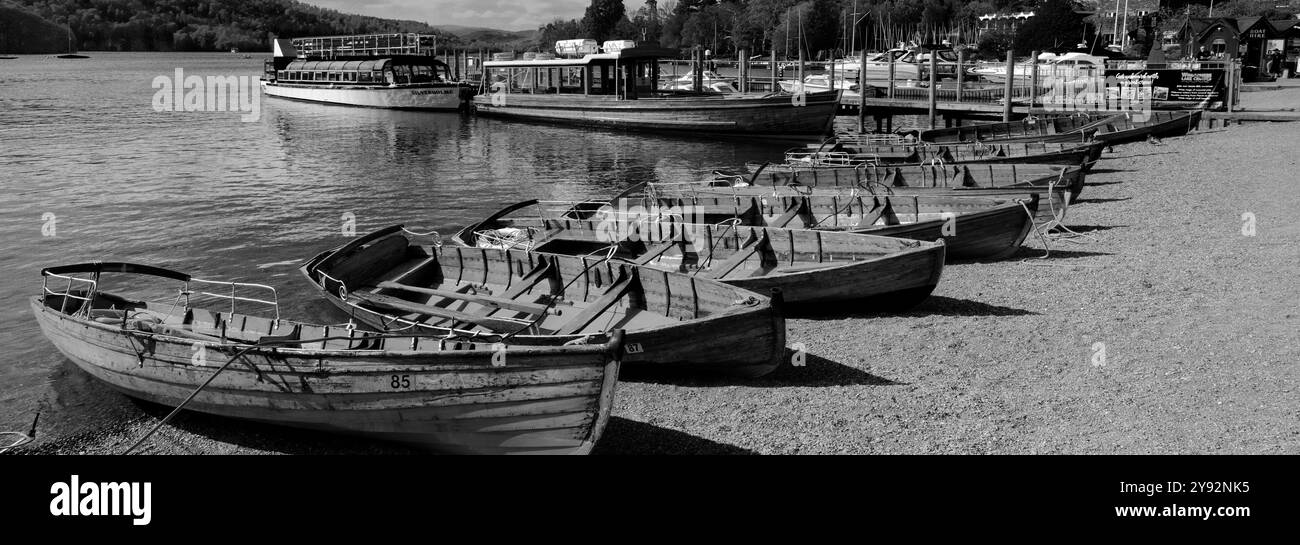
{"points": [[1188, 88], [1140, 90]]}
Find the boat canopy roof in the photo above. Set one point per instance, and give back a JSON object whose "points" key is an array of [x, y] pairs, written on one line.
{"points": [[631, 53], [347, 66]]}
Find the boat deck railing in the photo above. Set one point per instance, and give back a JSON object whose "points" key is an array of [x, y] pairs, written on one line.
{"points": [[233, 297], [366, 45], [68, 292]]}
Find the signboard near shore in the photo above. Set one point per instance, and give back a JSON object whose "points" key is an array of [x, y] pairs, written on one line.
{"points": [[1138, 88], [1176, 87]]}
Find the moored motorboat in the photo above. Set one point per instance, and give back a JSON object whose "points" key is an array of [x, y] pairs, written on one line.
{"points": [[617, 89], [816, 268], [674, 322], [462, 394], [397, 71]]}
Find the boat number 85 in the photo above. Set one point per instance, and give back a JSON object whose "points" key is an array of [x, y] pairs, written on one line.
{"points": [[400, 381]]}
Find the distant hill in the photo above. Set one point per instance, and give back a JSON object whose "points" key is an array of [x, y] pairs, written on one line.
{"points": [[211, 25], [490, 38], [22, 31]]}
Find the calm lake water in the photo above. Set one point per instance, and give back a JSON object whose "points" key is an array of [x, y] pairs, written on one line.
{"points": [[208, 194]]}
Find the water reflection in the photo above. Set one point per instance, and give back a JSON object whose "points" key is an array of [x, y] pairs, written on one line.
{"points": [[208, 194]]}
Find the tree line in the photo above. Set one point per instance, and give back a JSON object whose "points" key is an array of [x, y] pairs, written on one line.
{"points": [[824, 28], [206, 25]]}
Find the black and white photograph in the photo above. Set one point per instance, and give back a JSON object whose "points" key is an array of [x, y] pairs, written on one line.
{"points": [[623, 227]]}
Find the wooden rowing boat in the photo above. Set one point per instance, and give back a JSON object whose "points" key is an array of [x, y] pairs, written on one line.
{"points": [[1051, 208], [1138, 126], [674, 322], [1076, 129], [851, 154], [1019, 178], [810, 267], [457, 394], [972, 228]]}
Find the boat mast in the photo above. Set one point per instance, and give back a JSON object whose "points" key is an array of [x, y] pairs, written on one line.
{"points": [[853, 40]]}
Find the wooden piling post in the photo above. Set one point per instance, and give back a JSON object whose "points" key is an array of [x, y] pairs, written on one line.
{"points": [[744, 70], [698, 83], [775, 85], [862, 97], [934, 88], [1007, 87], [891, 77], [961, 71], [1230, 75], [1033, 79]]}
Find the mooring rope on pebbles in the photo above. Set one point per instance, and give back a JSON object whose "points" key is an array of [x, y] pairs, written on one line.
{"points": [[23, 438]]}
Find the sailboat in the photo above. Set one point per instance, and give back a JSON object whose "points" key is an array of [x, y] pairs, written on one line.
{"points": [[70, 54]]}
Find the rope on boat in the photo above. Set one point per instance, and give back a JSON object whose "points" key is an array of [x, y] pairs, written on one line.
{"points": [[437, 238], [187, 400], [1037, 231], [23, 438]]}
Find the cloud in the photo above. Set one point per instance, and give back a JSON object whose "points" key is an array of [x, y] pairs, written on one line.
{"points": [[502, 14]]}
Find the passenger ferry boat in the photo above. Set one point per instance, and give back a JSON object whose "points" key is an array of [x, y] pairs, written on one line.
{"points": [[375, 70], [615, 86]]}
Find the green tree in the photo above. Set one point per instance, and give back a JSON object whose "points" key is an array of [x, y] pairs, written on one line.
{"points": [[557, 30], [601, 19], [1054, 24]]}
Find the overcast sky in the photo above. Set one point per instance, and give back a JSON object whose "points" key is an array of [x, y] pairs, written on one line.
{"points": [[502, 14]]}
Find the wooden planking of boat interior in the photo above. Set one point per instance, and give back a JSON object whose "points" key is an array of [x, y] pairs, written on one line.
{"points": [[813, 269], [450, 394], [389, 282]]}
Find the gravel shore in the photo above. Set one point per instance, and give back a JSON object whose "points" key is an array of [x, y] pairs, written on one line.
{"points": [[1161, 328]]}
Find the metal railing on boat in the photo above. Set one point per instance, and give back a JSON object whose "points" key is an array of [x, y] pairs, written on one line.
{"points": [[274, 302], [68, 293]]}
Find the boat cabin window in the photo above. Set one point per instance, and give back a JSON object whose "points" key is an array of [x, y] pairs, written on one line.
{"points": [[367, 71], [599, 77]]}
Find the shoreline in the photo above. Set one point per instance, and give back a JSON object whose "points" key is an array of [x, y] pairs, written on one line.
{"points": [[1196, 322]]}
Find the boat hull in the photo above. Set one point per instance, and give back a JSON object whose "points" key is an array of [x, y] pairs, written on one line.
{"points": [[986, 235], [545, 401], [442, 98], [1116, 131], [748, 115]]}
